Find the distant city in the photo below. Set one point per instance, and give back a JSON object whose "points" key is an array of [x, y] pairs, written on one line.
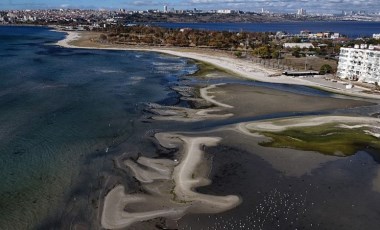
{"points": [[167, 14]]}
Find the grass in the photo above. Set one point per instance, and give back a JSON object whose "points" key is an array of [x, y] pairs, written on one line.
{"points": [[327, 139]]}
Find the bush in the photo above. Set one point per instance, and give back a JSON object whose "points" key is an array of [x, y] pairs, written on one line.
{"points": [[238, 54], [325, 69], [262, 51]]}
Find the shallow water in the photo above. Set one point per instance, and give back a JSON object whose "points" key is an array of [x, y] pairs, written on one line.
{"points": [[59, 107]]}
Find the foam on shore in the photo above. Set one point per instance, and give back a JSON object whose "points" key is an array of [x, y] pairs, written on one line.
{"points": [[70, 37]]}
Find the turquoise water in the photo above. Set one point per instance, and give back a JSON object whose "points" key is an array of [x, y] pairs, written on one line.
{"points": [[60, 106]]}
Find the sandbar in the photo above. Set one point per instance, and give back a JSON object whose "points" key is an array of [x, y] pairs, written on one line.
{"points": [[168, 186]]}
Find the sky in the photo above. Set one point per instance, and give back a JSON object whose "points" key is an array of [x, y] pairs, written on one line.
{"points": [[321, 6]]}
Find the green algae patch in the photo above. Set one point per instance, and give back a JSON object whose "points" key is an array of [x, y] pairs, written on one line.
{"points": [[205, 69], [329, 139]]}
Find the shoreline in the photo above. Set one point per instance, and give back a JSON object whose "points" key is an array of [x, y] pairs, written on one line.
{"points": [[240, 67], [191, 171]]}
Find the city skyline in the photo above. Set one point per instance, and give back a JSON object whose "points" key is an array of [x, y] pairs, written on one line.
{"points": [[289, 6]]}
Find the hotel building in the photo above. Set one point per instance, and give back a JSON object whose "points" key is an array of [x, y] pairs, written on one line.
{"points": [[361, 63]]}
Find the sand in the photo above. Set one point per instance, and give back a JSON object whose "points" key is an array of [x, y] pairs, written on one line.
{"points": [[205, 95], [185, 181], [241, 67], [169, 186], [70, 37], [157, 169], [248, 101], [278, 125], [174, 113], [114, 216]]}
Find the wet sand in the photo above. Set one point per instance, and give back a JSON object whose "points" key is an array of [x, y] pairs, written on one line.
{"points": [[323, 197], [278, 125], [271, 188], [169, 186], [241, 101], [255, 101]]}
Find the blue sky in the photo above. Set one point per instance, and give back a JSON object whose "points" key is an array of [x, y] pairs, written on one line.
{"points": [[252, 5]]}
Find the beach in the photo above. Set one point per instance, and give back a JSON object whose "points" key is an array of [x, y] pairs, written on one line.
{"points": [[211, 165], [240, 67], [114, 139]]}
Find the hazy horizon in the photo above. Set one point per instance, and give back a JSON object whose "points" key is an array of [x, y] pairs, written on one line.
{"points": [[312, 6]]}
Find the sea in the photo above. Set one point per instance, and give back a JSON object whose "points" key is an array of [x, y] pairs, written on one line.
{"points": [[351, 29], [61, 109], [67, 114]]}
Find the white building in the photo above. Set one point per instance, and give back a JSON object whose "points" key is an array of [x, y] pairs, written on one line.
{"points": [[360, 63], [165, 9], [301, 12], [225, 11], [335, 35], [299, 45], [376, 36]]}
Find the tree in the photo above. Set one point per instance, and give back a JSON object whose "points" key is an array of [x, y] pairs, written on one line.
{"points": [[326, 68], [276, 54], [262, 51], [296, 52], [296, 40]]}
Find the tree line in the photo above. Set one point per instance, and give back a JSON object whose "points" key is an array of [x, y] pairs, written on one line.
{"points": [[186, 37]]}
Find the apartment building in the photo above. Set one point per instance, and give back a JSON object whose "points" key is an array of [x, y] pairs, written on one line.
{"points": [[360, 63]]}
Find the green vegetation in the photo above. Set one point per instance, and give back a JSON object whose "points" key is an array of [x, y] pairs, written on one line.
{"points": [[238, 54], [262, 51], [250, 45], [185, 37], [296, 52], [327, 139], [205, 68], [326, 68]]}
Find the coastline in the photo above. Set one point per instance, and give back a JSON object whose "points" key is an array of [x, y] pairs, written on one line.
{"points": [[175, 184], [240, 67], [143, 145]]}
